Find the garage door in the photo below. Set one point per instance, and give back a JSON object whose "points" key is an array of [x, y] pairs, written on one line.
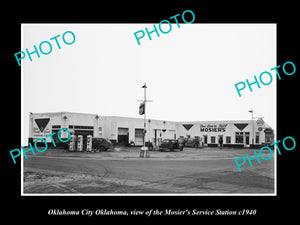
{"points": [[170, 134], [123, 136], [122, 131], [139, 136]]}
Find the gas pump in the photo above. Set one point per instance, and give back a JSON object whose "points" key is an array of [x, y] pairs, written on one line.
{"points": [[89, 143], [79, 143], [72, 143]]}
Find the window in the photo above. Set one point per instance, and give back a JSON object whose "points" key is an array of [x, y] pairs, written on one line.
{"points": [[239, 138], [55, 126], [55, 137], [212, 139], [100, 128], [247, 136], [228, 140], [81, 127], [257, 137], [84, 132], [269, 138]]}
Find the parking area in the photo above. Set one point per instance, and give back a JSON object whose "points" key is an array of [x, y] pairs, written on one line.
{"points": [[122, 171]]}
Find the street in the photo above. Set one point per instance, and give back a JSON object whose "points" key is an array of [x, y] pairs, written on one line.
{"points": [[121, 171]]}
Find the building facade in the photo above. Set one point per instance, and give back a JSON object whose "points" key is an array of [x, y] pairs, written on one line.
{"points": [[233, 133], [43, 124], [131, 130], [124, 130]]}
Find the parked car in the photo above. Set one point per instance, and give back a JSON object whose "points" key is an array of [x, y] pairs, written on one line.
{"points": [[101, 144], [192, 142], [169, 144]]}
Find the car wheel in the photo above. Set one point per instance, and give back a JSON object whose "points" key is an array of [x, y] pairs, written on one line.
{"points": [[102, 148]]}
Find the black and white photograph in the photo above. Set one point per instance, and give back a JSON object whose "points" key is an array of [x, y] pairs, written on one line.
{"points": [[162, 117], [147, 114]]}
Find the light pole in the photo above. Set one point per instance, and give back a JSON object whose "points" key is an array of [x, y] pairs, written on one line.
{"points": [[144, 149], [145, 87], [164, 130]]}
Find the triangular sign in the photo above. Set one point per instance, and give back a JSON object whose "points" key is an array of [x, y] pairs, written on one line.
{"points": [[187, 126], [42, 123], [241, 126]]}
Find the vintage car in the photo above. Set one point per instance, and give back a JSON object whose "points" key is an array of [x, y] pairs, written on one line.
{"points": [[101, 144], [192, 142], [170, 144]]}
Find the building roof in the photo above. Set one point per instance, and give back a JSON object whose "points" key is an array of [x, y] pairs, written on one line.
{"points": [[62, 112]]}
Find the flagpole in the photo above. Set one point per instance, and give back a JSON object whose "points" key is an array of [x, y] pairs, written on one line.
{"points": [[252, 126]]}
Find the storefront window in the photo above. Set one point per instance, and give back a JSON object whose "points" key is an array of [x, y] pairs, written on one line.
{"points": [[269, 135], [212, 139], [257, 137], [55, 138], [239, 138], [228, 140]]}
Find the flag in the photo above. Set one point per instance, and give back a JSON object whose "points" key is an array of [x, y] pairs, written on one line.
{"points": [[142, 108], [251, 111]]}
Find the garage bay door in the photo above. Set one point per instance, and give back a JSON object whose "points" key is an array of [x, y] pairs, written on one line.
{"points": [[139, 136], [123, 135], [170, 134]]}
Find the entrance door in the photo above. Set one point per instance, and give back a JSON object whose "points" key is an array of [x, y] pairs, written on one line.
{"points": [[139, 137], [219, 137], [205, 140], [247, 139]]}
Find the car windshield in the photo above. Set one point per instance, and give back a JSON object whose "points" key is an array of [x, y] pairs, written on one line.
{"points": [[166, 141]]}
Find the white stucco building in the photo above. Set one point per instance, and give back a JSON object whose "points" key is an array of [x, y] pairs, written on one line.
{"points": [[122, 130]]}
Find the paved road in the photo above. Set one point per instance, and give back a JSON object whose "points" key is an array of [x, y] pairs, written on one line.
{"points": [[208, 171]]}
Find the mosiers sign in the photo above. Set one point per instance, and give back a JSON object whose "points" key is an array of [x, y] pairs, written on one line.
{"points": [[213, 127]]}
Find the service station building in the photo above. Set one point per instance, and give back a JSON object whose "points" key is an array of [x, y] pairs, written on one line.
{"points": [[124, 130]]}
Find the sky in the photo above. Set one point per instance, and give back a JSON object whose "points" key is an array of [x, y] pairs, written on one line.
{"points": [[190, 72]]}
